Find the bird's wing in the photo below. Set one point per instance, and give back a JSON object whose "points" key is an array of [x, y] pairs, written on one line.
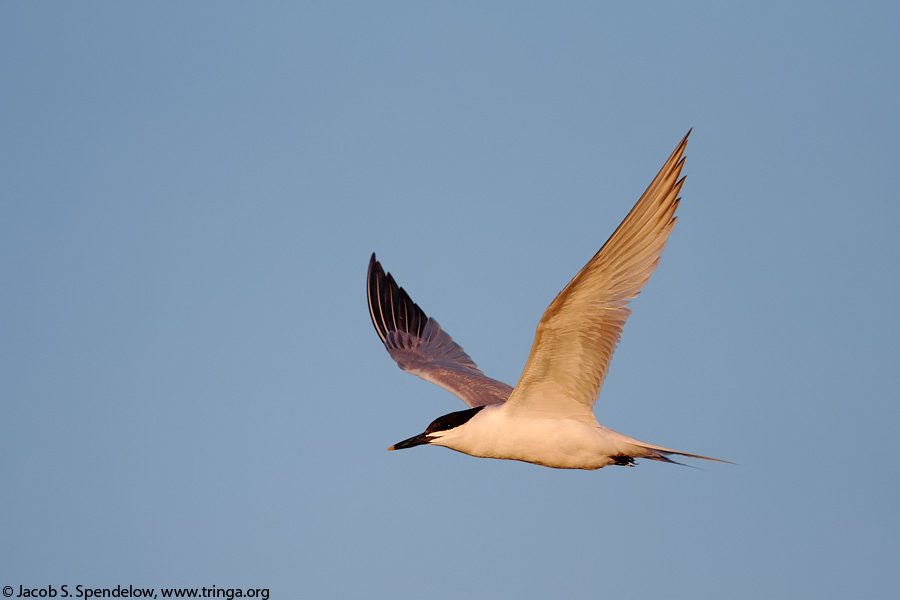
{"points": [[419, 345], [578, 333]]}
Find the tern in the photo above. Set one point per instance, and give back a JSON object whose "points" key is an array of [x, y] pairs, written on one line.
{"points": [[548, 418]]}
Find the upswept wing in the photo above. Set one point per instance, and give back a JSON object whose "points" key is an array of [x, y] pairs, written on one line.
{"points": [[419, 346], [578, 333]]}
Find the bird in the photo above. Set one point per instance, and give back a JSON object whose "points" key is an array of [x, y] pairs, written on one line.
{"points": [[547, 418]]}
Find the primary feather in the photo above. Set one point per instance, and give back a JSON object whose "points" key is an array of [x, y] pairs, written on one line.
{"points": [[419, 346]]}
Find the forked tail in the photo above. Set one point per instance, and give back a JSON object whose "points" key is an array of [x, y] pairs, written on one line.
{"points": [[662, 454]]}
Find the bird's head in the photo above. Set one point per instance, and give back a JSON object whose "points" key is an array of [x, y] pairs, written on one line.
{"points": [[440, 430]]}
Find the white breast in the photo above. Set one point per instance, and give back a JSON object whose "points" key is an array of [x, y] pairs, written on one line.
{"points": [[544, 439]]}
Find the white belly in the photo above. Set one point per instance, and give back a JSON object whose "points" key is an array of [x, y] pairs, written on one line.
{"points": [[545, 440]]}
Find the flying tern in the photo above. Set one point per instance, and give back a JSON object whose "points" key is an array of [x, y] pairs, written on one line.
{"points": [[548, 418]]}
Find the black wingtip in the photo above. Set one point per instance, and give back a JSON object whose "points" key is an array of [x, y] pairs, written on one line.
{"points": [[390, 306], [683, 143], [679, 149], [373, 276]]}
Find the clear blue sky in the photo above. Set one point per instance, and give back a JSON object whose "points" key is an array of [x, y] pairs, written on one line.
{"points": [[193, 394]]}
